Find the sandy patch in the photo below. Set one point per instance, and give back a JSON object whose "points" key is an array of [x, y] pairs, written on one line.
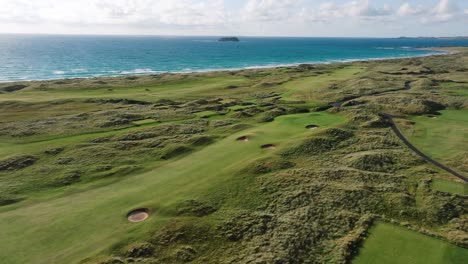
{"points": [[269, 146], [312, 127], [138, 215], [243, 139]]}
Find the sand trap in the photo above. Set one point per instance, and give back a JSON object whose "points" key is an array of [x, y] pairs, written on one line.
{"points": [[312, 127], [243, 139], [138, 215], [269, 146]]}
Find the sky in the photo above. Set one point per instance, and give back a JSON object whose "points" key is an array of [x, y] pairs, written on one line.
{"points": [[314, 18]]}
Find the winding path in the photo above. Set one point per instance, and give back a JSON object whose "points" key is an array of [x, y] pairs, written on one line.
{"points": [[395, 129], [417, 151]]}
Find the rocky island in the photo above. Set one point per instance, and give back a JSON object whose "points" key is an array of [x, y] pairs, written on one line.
{"points": [[229, 39]]}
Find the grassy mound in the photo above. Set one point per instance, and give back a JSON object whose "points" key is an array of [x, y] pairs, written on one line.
{"points": [[323, 141], [17, 163]]}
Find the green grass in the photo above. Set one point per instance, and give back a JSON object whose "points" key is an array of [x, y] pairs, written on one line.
{"points": [[175, 89], [391, 244], [307, 88], [447, 186], [207, 115], [145, 122], [449, 84], [441, 137], [49, 229], [460, 92], [140, 164]]}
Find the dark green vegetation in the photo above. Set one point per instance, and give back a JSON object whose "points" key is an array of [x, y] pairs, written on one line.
{"points": [[76, 156]]}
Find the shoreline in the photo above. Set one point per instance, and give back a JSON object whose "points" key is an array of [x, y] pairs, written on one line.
{"points": [[436, 51]]}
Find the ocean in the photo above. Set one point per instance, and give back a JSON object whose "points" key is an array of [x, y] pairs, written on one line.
{"points": [[45, 57]]}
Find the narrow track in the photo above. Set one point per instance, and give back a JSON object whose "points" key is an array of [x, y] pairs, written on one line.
{"points": [[395, 129], [389, 118]]}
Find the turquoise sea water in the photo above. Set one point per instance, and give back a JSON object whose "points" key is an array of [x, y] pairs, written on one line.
{"points": [[43, 57]]}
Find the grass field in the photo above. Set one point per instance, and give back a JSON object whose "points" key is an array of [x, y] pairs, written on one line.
{"points": [[441, 137], [447, 186], [49, 230], [308, 88], [168, 89], [391, 244], [461, 92], [77, 155]]}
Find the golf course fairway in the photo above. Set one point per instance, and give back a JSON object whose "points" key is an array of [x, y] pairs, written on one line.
{"points": [[49, 230]]}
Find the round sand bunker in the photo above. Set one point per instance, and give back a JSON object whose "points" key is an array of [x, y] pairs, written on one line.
{"points": [[138, 215], [243, 139], [269, 146], [312, 127]]}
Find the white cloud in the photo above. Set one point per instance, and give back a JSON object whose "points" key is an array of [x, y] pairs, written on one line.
{"points": [[138, 12], [268, 10], [362, 9], [443, 11], [240, 17], [407, 10]]}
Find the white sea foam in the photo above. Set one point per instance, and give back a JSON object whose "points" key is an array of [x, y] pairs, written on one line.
{"points": [[79, 70], [111, 73], [138, 71]]}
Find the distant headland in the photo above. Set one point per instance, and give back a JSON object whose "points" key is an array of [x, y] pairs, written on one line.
{"points": [[229, 39], [441, 38]]}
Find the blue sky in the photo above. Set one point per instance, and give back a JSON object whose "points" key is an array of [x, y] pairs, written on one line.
{"points": [[319, 18]]}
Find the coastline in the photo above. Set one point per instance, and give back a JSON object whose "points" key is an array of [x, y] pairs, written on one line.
{"points": [[435, 51], [223, 149]]}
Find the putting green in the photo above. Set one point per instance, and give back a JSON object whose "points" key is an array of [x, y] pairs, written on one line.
{"points": [[390, 244], [49, 230]]}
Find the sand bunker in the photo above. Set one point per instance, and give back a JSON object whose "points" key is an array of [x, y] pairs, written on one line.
{"points": [[269, 146], [138, 215], [312, 127], [243, 139]]}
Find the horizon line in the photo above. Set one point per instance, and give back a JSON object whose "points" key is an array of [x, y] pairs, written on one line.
{"points": [[218, 36]]}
